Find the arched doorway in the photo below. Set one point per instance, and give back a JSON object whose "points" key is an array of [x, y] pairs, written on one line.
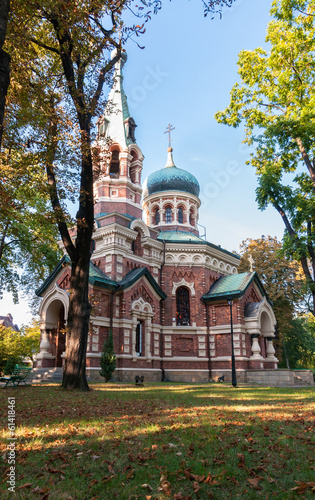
{"points": [[55, 328]]}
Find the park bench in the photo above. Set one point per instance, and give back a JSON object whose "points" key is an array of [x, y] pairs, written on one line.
{"points": [[19, 374]]}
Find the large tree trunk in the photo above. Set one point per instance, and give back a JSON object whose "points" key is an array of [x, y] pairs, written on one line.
{"points": [[74, 376]]}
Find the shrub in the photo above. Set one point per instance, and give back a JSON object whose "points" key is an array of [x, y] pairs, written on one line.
{"points": [[108, 358]]}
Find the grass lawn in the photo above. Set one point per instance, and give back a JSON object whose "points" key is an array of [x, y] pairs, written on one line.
{"points": [[160, 441]]}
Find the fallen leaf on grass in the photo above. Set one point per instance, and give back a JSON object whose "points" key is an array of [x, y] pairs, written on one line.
{"points": [[130, 473], [26, 485], [180, 496], [106, 479], [254, 482], [302, 487], [165, 486], [145, 485], [196, 486], [93, 482]]}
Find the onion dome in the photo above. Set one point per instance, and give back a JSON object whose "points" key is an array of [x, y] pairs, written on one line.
{"points": [[171, 178]]}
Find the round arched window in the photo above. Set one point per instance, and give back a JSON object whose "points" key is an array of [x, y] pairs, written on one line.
{"points": [[168, 215], [182, 307], [180, 215]]}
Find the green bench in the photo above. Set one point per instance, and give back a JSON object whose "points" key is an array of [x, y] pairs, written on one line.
{"points": [[19, 374]]}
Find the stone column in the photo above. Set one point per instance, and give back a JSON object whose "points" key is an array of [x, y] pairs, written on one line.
{"points": [[256, 350], [44, 359], [270, 350], [148, 329], [133, 338]]}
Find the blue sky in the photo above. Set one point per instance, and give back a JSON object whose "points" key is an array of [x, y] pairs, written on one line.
{"points": [[183, 76]]}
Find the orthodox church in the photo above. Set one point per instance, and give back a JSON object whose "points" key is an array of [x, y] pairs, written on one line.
{"points": [[175, 303]]}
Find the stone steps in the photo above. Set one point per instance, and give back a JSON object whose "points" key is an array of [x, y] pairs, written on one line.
{"points": [[39, 375]]}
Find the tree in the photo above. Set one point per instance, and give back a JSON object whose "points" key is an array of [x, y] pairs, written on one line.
{"points": [[18, 345], [28, 243], [108, 359], [298, 346], [4, 61], [284, 282], [275, 100]]}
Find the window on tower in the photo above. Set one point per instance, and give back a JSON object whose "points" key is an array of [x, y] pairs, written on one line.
{"points": [[191, 218], [114, 165], [182, 307], [157, 216], [168, 215], [180, 215]]}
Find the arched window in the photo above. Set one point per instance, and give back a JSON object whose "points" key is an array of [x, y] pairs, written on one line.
{"points": [[191, 218], [180, 215], [182, 307], [139, 338], [133, 167], [168, 215], [157, 216], [114, 165], [136, 245]]}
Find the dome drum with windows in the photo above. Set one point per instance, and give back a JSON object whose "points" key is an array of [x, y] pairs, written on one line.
{"points": [[171, 198]]}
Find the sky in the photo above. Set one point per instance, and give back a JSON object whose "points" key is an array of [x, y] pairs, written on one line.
{"points": [[184, 76]]}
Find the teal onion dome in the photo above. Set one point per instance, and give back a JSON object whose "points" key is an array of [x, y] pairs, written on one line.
{"points": [[171, 178]]}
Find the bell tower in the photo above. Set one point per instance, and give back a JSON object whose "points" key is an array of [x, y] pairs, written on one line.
{"points": [[117, 157]]}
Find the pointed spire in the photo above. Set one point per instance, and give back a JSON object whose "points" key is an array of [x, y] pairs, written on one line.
{"points": [[170, 162], [116, 110]]}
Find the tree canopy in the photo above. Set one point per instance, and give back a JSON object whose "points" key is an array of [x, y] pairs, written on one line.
{"points": [[17, 346], [275, 100], [284, 282]]}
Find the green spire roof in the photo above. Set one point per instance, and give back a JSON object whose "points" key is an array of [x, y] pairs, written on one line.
{"points": [[116, 110]]}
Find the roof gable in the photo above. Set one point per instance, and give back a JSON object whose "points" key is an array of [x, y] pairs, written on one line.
{"points": [[96, 276], [232, 287], [134, 275]]}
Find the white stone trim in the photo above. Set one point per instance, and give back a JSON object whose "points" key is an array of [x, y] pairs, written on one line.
{"points": [[54, 294], [183, 282], [228, 358]]}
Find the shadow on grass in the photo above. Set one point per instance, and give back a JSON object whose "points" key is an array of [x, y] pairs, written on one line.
{"points": [[121, 441]]}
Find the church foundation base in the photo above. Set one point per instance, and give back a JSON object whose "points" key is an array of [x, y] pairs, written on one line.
{"points": [[280, 378], [240, 375]]}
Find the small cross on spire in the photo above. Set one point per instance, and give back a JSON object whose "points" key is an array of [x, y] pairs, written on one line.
{"points": [[168, 131]]}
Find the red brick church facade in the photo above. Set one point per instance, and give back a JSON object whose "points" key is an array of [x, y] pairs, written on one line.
{"points": [[162, 290]]}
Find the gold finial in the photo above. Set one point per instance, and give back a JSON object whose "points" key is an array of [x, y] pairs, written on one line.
{"points": [[168, 131]]}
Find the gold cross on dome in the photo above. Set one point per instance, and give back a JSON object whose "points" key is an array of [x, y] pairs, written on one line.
{"points": [[168, 131]]}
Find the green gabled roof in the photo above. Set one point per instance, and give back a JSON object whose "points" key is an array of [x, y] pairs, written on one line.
{"points": [[135, 275], [232, 287], [187, 237], [63, 263], [96, 276]]}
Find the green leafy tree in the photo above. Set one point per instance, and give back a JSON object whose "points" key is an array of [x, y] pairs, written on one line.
{"points": [[275, 100], [298, 346], [283, 280], [108, 359], [15, 346]]}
